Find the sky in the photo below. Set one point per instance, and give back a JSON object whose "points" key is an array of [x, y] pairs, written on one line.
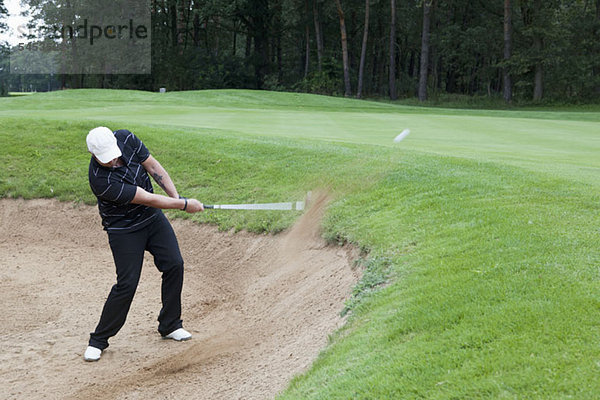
{"points": [[14, 20]]}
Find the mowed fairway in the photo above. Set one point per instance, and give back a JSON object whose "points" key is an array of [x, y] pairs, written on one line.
{"points": [[480, 230], [558, 142]]}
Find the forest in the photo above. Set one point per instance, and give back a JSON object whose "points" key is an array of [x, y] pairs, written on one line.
{"points": [[529, 50]]}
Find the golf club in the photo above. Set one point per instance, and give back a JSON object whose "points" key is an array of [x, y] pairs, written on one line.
{"points": [[289, 206], [298, 205]]}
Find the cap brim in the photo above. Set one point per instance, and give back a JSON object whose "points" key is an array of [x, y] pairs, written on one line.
{"points": [[109, 155]]}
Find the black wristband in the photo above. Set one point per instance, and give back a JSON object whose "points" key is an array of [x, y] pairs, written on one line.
{"points": [[185, 206]]}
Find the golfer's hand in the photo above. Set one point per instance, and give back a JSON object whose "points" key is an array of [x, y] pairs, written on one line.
{"points": [[194, 206]]}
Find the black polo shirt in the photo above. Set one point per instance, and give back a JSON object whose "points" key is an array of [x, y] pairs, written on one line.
{"points": [[115, 187]]}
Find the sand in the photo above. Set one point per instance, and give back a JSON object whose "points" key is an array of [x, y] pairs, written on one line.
{"points": [[260, 308]]}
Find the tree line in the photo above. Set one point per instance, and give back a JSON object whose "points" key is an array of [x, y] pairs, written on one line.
{"points": [[511, 49], [3, 53]]}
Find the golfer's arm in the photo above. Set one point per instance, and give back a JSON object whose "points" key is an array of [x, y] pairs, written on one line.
{"points": [[161, 176], [157, 200]]}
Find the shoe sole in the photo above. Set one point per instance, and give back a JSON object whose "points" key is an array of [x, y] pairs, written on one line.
{"points": [[177, 340]]}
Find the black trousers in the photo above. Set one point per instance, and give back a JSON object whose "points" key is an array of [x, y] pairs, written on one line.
{"points": [[128, 250]]}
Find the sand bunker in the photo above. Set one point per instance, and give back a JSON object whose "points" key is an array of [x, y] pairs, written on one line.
{"points": [[260, 308]]}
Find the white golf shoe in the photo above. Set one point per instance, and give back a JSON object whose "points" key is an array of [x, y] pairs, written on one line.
{"points": [[92, 354], [179, 335]]}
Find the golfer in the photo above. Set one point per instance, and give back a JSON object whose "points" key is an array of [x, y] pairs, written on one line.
{"points": [[132, 217]]}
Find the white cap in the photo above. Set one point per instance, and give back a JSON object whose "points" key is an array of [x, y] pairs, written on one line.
{"points": [[102, 143]]}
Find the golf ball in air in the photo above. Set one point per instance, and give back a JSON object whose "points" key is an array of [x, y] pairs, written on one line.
{"points": [[402, 135]]}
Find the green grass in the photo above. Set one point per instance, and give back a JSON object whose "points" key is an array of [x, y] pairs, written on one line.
{"points": [[482, 275], [560, 142]]}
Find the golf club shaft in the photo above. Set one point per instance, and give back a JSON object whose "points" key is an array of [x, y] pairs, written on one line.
{"points": [[299, 205]]}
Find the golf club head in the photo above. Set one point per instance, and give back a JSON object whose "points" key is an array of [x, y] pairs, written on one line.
{"points": [[301, 205]]}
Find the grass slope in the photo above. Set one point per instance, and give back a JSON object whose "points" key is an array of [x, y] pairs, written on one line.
{"points": [[486, 223], [561, 143]]}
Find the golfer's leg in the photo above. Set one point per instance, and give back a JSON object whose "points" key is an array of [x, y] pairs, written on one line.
{"points": [[128, 253], [162, 244]]}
